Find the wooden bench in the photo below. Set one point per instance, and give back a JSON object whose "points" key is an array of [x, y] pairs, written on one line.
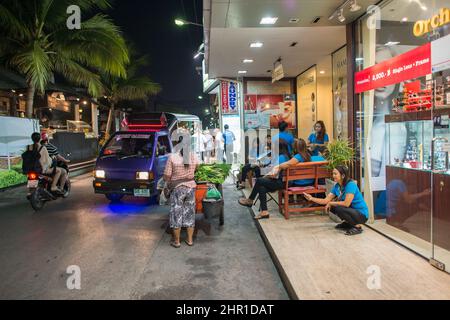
{"points": [[302, 171]]}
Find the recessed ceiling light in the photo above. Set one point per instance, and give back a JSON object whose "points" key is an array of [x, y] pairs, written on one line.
{"points": [[242, 72], [256, 45], [269, 20], [354, 6], [322, 72], [293, 44], [391, 43], [247, 61], [405, 19], [294, 20], [341, 17]]}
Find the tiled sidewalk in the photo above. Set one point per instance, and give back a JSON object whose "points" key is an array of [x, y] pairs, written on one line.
{"points": [[317, 261]]}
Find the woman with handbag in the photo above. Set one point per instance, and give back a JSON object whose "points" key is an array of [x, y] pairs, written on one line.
{"points": [[180, 186]]}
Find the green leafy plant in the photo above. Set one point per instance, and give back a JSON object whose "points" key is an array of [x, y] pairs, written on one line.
{"points": [[214, 173], [339, 152], [10, 178]]}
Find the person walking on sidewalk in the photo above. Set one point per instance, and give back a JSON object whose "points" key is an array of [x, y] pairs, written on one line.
{"points": [[349, 205], [228, 140], [179, 176]]}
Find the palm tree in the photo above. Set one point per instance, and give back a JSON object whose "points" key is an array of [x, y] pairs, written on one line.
{"points": [[133, 87], [35, 41]]}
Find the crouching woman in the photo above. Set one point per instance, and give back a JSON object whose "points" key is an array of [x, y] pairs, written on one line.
{"points": [[345, 201]]}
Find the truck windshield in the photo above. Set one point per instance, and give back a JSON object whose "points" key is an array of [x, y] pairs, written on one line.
{"points": [[126, 144]]}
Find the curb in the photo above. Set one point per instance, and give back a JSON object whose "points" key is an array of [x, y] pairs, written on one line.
{"points": [[280, 270]]}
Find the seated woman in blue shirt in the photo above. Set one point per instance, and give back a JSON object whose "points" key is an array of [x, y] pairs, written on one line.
{"points": [[285, 135], [269, 183], [318, 140], [301, 156], [345, 201]]}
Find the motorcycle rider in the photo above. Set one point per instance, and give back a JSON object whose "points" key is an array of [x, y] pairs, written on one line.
{"points": [[58, 160], [46, 162]]}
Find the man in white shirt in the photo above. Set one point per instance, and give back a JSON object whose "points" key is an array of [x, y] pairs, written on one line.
{"points": [[219, 145], [209, 147], [46, 162]]}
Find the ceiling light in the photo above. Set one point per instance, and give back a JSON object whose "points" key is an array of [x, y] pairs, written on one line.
{"points": [[423, 7], [322, 72], [354, 6], [247, 61], [269, 20], [294, 20], [256, 45], [341, 17], [391, 43], [405, 19], [242, 72], [359, 59]]}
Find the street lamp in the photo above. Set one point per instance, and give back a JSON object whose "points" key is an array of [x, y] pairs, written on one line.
{"points": [[200, 98], [181, 22]]}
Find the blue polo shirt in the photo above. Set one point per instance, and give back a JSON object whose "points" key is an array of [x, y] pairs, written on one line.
{"points": [[313, 139], [306, 182], [228, 137], [286, 136], [358, 202]]}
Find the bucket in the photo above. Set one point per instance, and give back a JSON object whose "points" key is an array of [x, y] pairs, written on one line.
{"points": [[200, 194], [212, 209]]}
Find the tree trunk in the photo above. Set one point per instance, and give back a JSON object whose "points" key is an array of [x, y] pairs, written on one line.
{"points": [[110, 120], [30, 100]]}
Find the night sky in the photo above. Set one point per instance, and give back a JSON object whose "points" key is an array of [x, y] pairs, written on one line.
{"points": [[149, 24]]}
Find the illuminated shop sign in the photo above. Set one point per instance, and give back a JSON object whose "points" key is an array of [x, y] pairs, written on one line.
{"points": [[422, 27]]}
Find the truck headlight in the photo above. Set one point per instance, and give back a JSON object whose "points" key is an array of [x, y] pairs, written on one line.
{"points": [[143, 175], [99, 174]]}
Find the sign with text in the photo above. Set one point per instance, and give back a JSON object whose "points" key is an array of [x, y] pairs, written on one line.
{"points": [[277, 73], [229, 97], [412, 64]]}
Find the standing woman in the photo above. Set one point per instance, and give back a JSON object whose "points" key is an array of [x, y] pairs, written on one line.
{"points": [[179, 175], [345, 201], [318, 140]]}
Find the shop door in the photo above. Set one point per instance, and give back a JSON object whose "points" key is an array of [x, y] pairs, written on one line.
{"points": [[440, 171]]}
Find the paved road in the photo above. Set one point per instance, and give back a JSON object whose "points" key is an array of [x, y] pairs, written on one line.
{"points": [[123, 253]]}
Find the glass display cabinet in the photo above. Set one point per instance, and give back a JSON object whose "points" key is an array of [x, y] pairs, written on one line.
{"points": [[410, 143]]}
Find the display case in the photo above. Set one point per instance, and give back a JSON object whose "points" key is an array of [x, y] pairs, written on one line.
{"points": [[410, 143], [80, 126]]}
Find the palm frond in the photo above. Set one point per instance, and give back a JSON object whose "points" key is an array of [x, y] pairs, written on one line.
{"points": [[98, 44], [34, 62], [11, 23], [136, 89], [79, 75]]}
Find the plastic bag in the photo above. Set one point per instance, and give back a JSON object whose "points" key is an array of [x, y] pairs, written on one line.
{"points": [[213, 193]]}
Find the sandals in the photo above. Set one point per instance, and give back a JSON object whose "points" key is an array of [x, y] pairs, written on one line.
{"points": [[174, 244], [245, 202], [343, 226], [260, 217], [189, 244], [241, 186], [353, 231]]}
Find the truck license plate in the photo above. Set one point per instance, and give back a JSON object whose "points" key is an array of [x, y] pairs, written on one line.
{"points": [[142, 192]]}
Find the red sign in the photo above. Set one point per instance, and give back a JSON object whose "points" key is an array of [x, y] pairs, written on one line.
{"points": [[225, 102], [410, 65]]}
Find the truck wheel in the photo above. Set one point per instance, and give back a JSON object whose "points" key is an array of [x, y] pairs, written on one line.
{"points": [[114, 197]]}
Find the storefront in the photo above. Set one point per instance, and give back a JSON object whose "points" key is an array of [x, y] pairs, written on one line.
{"points": [[401, 132]]}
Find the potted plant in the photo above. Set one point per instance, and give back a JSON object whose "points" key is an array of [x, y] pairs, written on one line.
{"points": [[339, 152]]}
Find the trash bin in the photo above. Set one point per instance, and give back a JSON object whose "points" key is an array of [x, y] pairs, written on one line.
{"points": [[212, 208]]}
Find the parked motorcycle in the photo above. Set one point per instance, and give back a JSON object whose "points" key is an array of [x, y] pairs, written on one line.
{"points": [[39, 189]]}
